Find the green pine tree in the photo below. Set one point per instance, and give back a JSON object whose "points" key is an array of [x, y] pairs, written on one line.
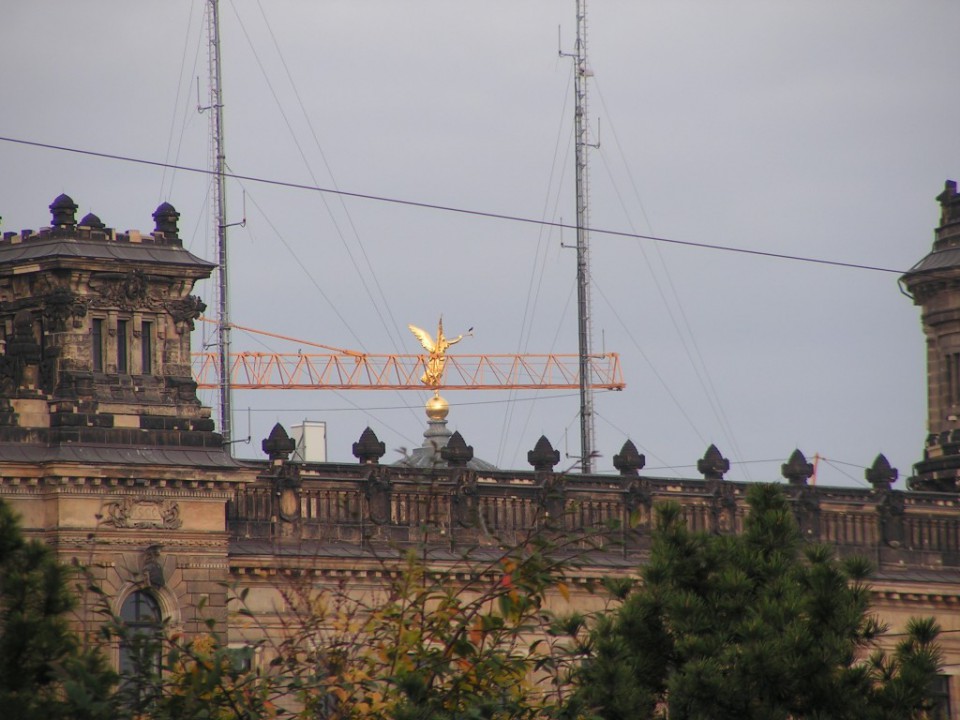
{"points": [[45, 673], [756, 626]]}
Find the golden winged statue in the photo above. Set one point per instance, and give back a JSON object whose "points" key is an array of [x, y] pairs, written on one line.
{"points": [[433, 375]]}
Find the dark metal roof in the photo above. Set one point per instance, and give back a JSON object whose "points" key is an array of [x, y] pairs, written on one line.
{"points": [[937, 260], [48, 248], [427, 458], [114, 454]]}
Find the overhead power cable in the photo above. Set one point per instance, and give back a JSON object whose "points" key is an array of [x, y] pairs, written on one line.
{"points": [[451, 209]]}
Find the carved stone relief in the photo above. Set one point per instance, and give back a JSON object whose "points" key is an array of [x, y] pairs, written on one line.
{"points": [[185, 311], [61, 305], [141, 513], [125, 291]]}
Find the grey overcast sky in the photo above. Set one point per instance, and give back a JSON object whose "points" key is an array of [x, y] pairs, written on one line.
{"points": [[819, 128]]}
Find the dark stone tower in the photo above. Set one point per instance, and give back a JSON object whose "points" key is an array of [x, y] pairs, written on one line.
{"points": [[106, 452], [934, 284], [96, 335]]}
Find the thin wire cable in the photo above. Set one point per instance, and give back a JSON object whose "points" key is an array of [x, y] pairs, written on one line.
{"points": [[538, 270], [316, 285], [361, 276], [452, 405], [556, 336], [653, 369], [694, 356], [398, 341], [394, 339], [624, 434], [452, 209], [176, 103], [732, 462], [306, 271], [843, 472]]}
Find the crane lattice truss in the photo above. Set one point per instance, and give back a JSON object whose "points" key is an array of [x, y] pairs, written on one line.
{"points": [[358, 371]]}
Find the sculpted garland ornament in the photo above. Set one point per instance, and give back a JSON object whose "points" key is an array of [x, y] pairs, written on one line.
{"points": [[141, 514]]}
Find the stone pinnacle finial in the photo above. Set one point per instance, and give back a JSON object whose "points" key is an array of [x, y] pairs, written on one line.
{"points": [[456, 452], [543, 457], [63, 211], [797, 470], [369, 448], [278, 445], [713, 465], [165, 218], [629, 460], [881, 475]]}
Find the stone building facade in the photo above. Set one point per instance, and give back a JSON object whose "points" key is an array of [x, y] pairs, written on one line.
{"points": [[109, 457]]}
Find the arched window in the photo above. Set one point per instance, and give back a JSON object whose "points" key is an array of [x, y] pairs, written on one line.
{"points": [[140, 650]]}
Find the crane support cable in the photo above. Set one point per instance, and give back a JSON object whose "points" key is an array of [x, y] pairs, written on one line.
{"points": [[299, 341], [452, 209], [316, 371]]}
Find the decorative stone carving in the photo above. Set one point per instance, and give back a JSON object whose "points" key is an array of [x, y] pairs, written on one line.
{"points": [[289, 504], [466, 503], [881, 475], [152, 569], [551, 496], [61, 305], [892, 510], [21, 369], [713, 465], [127, 291], [543, 457], [806, 510], [639, 502], [63, 211], [797, 470], [185, 311], [456, 452], [140, 513], [377, 490], [369, 448], [92, 221], [123, 291], [278, 445], [629, 460], [165, 217], [723, 508]]}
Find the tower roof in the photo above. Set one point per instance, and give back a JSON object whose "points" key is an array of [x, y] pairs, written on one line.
{"points": [[945, 254]]}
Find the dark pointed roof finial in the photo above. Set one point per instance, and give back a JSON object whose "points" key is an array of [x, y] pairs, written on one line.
{"points": [[165, 217], [91, 221], [543, 457], [628, 461], [456, 452], [278, 445], [713, 465], [369, 449], [881, 475], [797, 470], [63, 211]]}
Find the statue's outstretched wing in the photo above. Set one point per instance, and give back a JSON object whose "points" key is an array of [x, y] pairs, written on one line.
{"points": [[424, 337]]}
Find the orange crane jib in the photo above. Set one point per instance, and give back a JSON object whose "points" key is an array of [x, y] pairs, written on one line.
{"points": [[355, 371]]}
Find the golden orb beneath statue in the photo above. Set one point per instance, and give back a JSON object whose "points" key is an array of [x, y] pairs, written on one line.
{"points": [[437, 408]]}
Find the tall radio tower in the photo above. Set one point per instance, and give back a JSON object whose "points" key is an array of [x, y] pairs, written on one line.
{"points": [[220, 204], [582, 144]]}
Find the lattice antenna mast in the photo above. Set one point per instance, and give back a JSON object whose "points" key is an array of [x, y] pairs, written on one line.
{"points": [[582, 144], [220, 203]]}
